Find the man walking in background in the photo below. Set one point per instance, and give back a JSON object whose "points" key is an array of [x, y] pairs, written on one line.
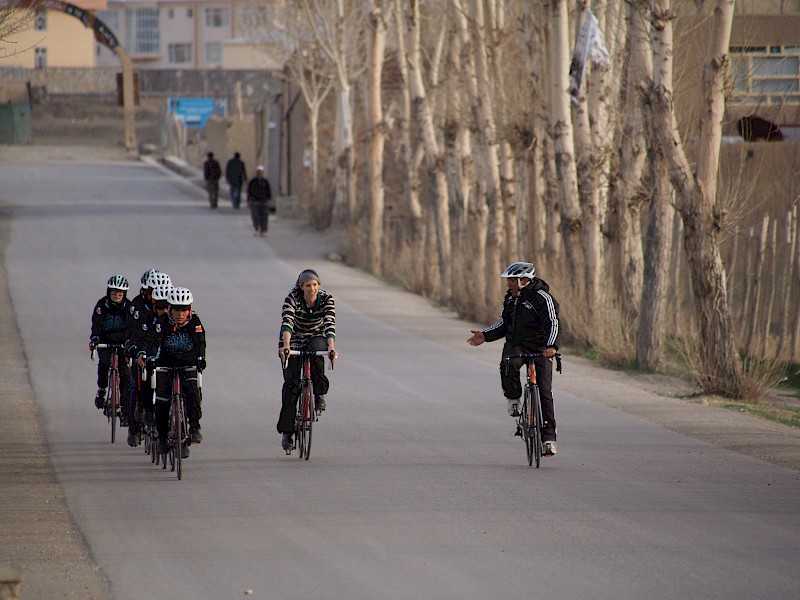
{"points": [[258, 197], [212, 173], [236, 176]]}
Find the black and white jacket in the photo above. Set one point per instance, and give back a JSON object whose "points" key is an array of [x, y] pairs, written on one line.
{"points": [[529, 321]]}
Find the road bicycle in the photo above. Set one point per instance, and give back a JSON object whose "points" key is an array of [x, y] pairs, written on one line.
{"points": [[178, 434], [112, 408], [306, 411], [529, 421]]}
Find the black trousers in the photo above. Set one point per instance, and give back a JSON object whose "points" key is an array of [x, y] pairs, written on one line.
{"points": [[259, 213], [512, 385], [292, 376], [191, 393], [104, 365]]}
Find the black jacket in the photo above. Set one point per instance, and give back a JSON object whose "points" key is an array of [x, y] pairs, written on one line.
{"points": [[110, 321], [258, 190], [175, 346], [530, 320], [235, 173], [211, 170]]}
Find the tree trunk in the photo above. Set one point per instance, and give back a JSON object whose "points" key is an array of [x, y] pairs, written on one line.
{"points": [[378, 137], [697, 195], [433, 151], [561, 132]]}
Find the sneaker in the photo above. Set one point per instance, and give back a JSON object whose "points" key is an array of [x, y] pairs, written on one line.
{"points": [[513, 407], [195, 435], [286, 442], [549, 449], [319, 403], [100, 399], [185, 451]]}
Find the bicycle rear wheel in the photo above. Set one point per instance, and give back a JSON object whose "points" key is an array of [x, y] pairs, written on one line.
{"points": [[524, 423], [536, 424]]}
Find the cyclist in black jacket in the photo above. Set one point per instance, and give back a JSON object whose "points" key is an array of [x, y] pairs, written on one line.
{"points": [[110, 326], [179, 340], [141, 313], [529, 323]]}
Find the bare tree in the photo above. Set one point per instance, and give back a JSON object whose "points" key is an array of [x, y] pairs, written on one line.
{"points": [[696, 197], [15, 16]]}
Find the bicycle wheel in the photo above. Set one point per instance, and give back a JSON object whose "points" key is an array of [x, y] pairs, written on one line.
{"points": [[177, 446], [536, 424], [524, 423], [309, 413], [113, 401]]}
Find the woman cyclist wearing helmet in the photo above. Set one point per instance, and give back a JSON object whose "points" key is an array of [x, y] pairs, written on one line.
{"points": [[141, 313], [529, 323], [139, 341], [179, 340], [110, 326]]}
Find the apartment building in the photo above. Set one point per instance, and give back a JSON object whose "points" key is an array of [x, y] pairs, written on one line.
{"points": [[53, 38]]}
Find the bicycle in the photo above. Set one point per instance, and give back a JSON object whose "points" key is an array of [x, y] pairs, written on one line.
{"points": [[305, 417], [178, 434], [112, 408], [529, 421]]}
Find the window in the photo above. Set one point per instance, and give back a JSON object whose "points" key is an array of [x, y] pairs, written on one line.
{"points": [[179, 53], [765, 74], [213, 52], [40, 58], [216, 17], [251, 17], [170, 13], [40, 20], [141, 30]]}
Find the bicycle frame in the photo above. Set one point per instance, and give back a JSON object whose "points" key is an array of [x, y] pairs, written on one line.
{"points": [[530, 421], [113, 410], [178, 420], [306, 415]]}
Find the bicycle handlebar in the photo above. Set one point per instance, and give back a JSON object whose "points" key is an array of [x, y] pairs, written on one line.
{"points": [[102, 347], [529, 355], [329, 353]]}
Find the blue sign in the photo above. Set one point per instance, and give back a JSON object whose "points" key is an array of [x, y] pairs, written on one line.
{"points": [[193, 112]]}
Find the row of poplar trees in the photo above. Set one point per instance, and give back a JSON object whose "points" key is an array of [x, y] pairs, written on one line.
{"points": [[457, 146]]}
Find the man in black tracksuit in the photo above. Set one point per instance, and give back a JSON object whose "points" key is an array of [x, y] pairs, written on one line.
{"points": [[529, 323]]}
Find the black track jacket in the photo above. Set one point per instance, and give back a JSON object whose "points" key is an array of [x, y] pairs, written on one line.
{"points": [[530, 320]]}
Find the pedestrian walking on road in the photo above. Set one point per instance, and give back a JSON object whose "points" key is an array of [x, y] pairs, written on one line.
{"points": [[236, 176], [212, 173], [258, 198]]}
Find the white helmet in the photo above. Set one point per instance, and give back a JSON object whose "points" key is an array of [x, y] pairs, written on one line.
{"points": [[147, 274], [157, 278], [117, 282], [161, 292], [519, 269], [180, 296]]}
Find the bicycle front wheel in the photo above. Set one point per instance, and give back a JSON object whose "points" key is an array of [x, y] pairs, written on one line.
{"points": [[536, 424], [113, 402], [303, 423], [178, 435], [524, 423]]}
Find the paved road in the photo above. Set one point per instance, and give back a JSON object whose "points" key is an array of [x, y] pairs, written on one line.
{"points": [[415, 488]]}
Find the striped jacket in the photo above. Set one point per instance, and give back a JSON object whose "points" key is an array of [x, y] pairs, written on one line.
{"points": [[305, 322], [529, 321]]}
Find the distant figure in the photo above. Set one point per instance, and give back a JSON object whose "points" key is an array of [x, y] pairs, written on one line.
{"points": [[212, 173], [258, 197], [236, 176]]}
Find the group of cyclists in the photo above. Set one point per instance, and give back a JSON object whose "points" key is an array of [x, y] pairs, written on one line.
{"points": [[158, 328]]}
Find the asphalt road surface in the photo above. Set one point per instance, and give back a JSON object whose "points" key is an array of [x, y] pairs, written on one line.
{"points": [[415, 487]]}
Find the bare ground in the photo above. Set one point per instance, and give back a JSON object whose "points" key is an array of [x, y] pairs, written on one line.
{"points": [[37, 532]]}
